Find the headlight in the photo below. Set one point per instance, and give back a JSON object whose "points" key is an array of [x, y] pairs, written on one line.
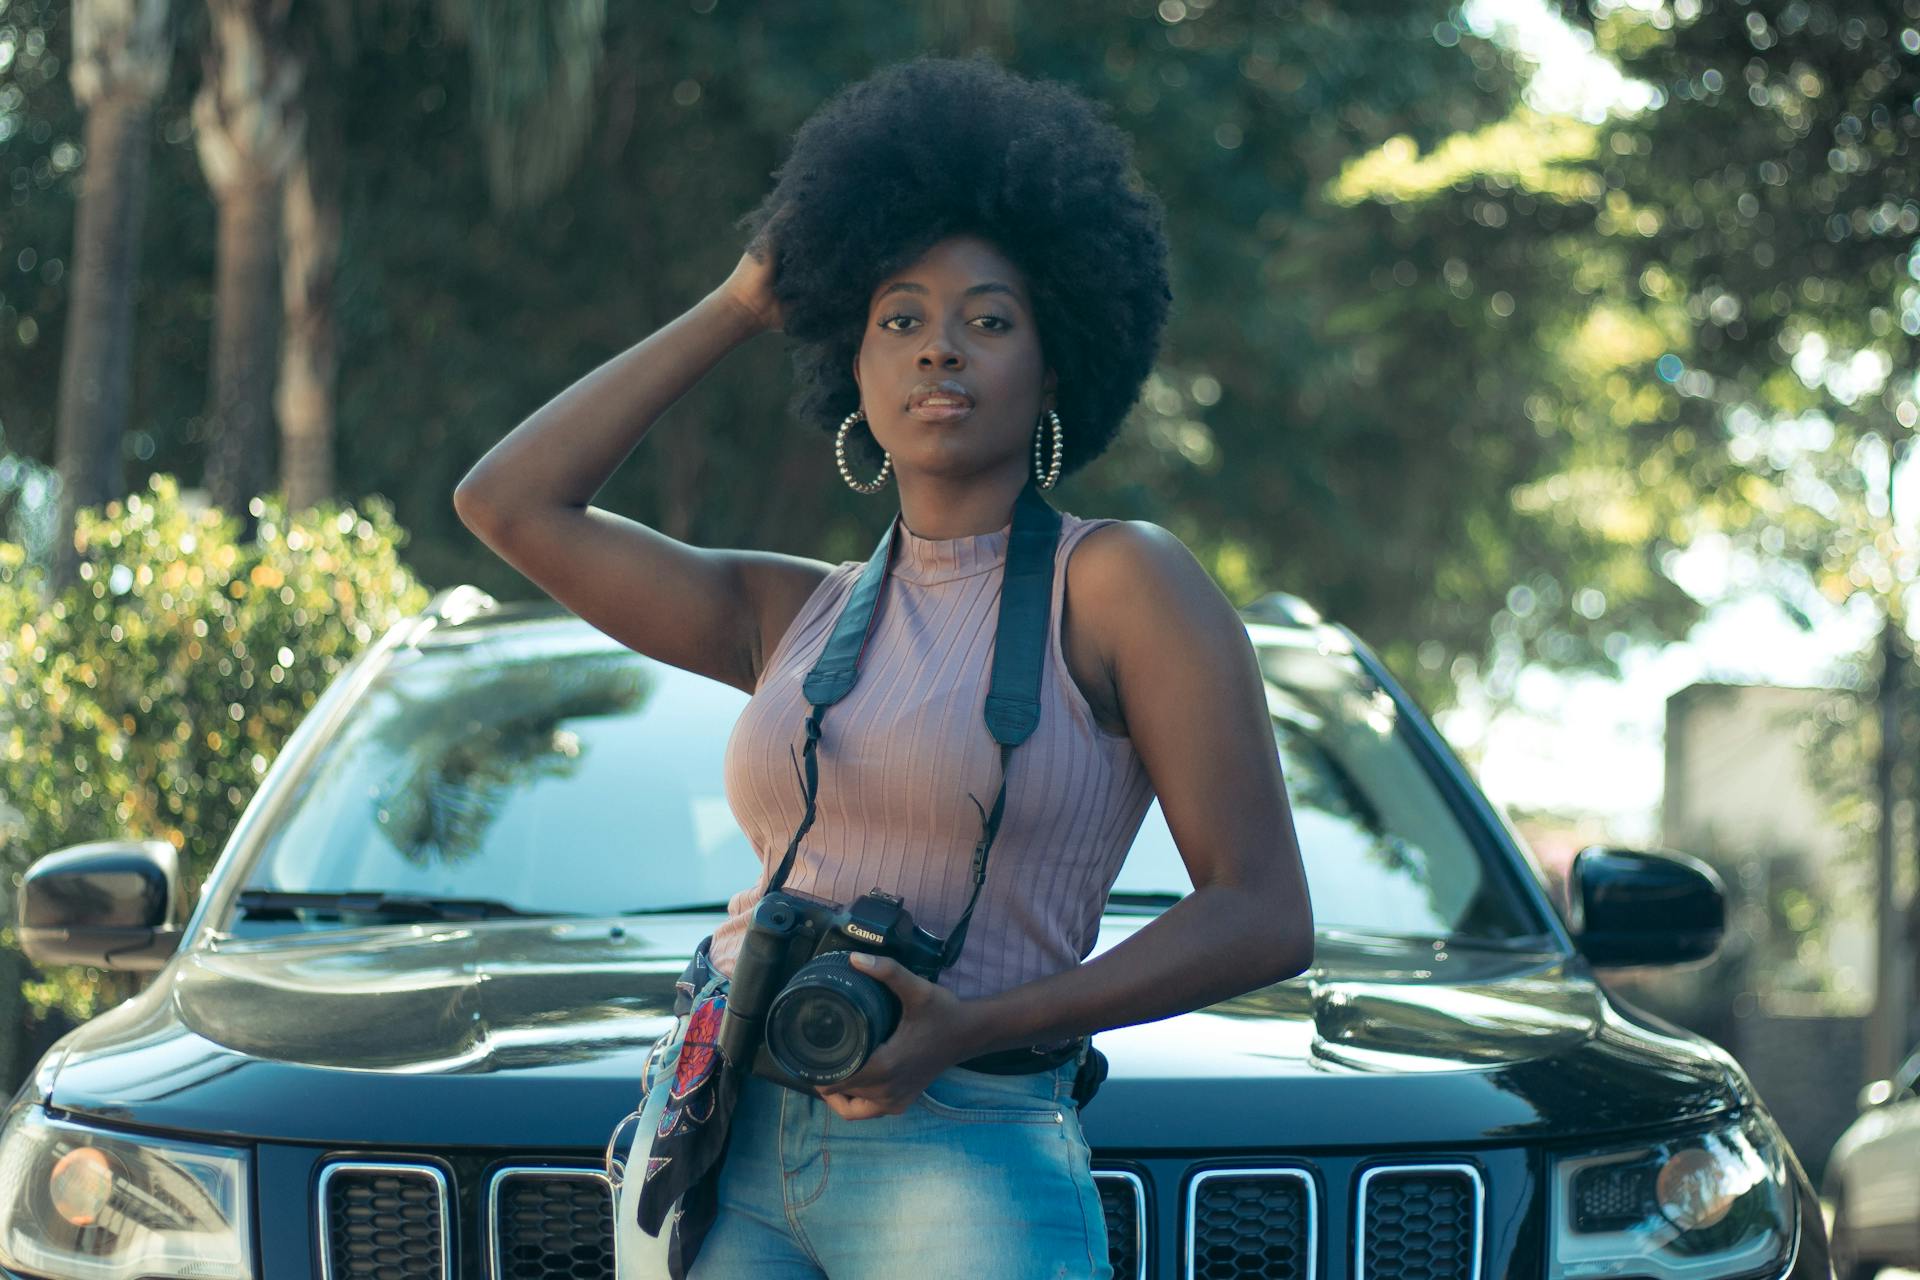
{"points": [[1714, 1203], [91, 1205]]}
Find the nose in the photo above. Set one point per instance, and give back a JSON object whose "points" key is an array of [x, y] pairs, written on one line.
{"points": [[940, 352]]}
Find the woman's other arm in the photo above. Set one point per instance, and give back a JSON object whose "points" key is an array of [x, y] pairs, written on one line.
{"points": [[710, 611]]}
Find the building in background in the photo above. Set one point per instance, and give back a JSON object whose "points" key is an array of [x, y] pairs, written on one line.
{"points": [[1791, 987], [1743, 793], [1791, 990]]}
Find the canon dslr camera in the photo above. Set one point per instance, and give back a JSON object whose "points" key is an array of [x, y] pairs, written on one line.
{"points": [[797, 1008]]}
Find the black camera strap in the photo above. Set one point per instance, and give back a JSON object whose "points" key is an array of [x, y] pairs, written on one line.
{"points": [[1012, 706]]}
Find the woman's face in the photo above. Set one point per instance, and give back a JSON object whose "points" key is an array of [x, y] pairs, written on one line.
{"points": [[950, 368]]}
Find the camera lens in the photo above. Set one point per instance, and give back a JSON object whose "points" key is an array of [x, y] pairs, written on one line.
{"points": [[828, 1019], [824, 1026]]}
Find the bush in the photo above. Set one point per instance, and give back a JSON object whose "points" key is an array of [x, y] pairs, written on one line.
{"points": [[147, 699]]}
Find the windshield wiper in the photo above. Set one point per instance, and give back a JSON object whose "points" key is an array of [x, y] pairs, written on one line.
{"points": [[688, 908], [399, 906], [1461, 941], [1134, 903]]}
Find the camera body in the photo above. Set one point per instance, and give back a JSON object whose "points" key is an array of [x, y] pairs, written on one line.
{"points": [[796, 1007]]}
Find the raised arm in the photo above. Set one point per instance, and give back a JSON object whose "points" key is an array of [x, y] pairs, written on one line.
{"points": [[713, 611]]}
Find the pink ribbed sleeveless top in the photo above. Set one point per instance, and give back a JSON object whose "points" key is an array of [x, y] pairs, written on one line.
{"points": [[900, 753]]}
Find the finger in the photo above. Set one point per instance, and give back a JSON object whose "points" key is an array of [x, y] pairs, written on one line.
{"points": [[848, 1107], [877, 1071], [865, 1077], [902, 981]]}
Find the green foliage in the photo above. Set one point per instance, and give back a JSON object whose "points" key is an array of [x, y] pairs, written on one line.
{"points": [[1544, 155], [148, 699], [1770, 197], [1351, 391]]}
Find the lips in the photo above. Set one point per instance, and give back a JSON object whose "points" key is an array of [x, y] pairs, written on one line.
{"points": [[939, 394], [940, 401]]}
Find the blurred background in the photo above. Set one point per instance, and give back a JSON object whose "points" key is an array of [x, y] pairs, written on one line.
{"points": [[1565, 351]]}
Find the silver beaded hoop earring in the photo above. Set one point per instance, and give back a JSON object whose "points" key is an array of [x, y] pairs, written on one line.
{"points": [[1051, 475], [840, 457]]}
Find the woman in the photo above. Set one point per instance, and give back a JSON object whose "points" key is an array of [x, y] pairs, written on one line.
{"points": [[977, 285]]}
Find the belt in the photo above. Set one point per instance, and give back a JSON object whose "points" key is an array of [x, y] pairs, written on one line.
{"points": [[1022, 1061], [1086, 1080]]}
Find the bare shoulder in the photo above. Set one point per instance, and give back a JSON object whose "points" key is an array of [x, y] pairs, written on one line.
{"points": [[1126, 542], [1138, 604], [1122, 572]]}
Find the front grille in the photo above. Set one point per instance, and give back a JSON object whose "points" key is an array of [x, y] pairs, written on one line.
{"points": [[393, 1221], [1123, 1200], [384, 1222], [1419, 1222], [550, 1224], [1251, 1224]]}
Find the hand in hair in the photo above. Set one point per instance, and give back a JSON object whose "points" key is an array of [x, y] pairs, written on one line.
{"points": [[751, 283]]}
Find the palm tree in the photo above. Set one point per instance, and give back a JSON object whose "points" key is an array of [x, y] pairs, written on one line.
{"points": [[119, 66], [247, 126], [310, 225], [534, 63]]}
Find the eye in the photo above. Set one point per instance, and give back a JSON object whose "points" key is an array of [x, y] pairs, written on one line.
{"points": [[999, 323]]}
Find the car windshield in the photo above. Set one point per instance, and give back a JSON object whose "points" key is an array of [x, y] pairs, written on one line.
{"points": [[541, 768]]}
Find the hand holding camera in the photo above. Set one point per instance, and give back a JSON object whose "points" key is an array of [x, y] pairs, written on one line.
{"points": [[803, 1015], [798, 1012], [935, 1031]]}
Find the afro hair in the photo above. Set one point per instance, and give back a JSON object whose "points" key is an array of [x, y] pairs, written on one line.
{"points": [[934, 147]]}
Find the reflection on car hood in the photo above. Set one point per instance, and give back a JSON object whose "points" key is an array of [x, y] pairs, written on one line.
{"points": [[531, 1033]]}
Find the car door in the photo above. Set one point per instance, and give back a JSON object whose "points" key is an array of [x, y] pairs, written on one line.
{"points": [[1883, 1171]]}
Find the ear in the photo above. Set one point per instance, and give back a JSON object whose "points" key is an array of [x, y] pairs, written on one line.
{"points": [[1048, 384], [856, 367]]}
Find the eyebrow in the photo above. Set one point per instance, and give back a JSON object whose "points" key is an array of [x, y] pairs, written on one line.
{"points": [[990, 286]]}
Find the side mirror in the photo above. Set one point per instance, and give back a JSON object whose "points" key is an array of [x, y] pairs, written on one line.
{"points": [[1875, 1093], [1631, 908], [108, 903]]}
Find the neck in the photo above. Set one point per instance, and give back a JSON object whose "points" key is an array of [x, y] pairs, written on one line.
{"points": [[940, 507]]}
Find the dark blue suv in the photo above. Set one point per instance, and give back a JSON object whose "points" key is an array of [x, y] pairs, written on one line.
{"points": [[407, 1012]]}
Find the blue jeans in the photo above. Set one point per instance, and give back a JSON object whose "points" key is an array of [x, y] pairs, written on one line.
{"points": [[983, 1175]]}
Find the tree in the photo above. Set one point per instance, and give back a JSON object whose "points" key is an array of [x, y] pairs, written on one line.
{"points": [[1346, 407], [533, 72], [303, 395], [1375, 356], [121, 50], [247, 125]]}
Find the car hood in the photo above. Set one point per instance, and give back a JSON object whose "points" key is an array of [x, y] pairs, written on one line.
{"points": [[532, 1033]]}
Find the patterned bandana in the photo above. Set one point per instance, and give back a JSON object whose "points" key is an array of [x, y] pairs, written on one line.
{"points": [[690, 1141]]}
